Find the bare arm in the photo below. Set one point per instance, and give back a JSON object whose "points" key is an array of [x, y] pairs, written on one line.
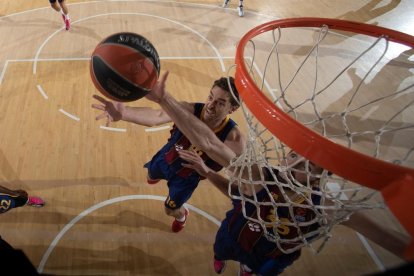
{"points": [[196, 163], [146, 116], [194, 129], [379, 232], [236, 141]]}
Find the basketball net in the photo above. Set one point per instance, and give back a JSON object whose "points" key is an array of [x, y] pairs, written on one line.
{"points": [[340, 94]]}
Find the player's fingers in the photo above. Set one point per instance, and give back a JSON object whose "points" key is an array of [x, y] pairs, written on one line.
{"points": [[164, 78], [99, 98], [188, 165], [101, 116], [98, 106], [186, 155]]}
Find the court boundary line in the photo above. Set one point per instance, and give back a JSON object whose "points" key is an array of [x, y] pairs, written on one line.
{"points": [[105, 203]]}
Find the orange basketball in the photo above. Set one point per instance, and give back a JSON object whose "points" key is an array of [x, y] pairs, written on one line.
{"points": [[124, 67]]}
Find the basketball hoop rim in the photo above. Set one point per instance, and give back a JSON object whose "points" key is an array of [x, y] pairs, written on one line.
{"points": [[368, 171], [395, 182]]}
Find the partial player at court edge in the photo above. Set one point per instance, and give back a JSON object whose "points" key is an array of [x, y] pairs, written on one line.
{"points": [[10, 199], [60, 6], [239, 8], [242, 239], [166, 164]]}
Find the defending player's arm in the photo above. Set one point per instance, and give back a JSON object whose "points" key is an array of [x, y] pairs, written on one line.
{"points": [[146, 116]]}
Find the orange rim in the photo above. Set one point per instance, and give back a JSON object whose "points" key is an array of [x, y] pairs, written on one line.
{"points": [[394, 182]]}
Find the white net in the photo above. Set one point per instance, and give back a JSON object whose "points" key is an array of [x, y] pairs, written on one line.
{"points": [[353, 89]]}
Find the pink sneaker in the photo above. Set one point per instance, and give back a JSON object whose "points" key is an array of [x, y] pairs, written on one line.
{"points": [[35, 201], [67, 23], [177, 226], [219, 266]]}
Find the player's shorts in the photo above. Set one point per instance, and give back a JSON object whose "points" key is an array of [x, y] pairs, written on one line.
{"points": [[8, 202], [227, 248], [54, 1], [179, 189]]}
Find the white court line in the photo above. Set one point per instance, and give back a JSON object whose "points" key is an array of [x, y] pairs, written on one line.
{"points": [[42, 91], [153, 129], [113, 129], [3, 71], [371, 252], [69, 115], [335, 188], [95, 207], [215, 50]]}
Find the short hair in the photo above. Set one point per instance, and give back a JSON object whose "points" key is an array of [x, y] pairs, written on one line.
{"points": [[223, 83]]}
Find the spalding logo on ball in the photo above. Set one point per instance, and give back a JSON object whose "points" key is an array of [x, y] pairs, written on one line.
{"points": [[125, 67]]}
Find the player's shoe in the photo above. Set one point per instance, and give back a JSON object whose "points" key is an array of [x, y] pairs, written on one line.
{"points": [[241, 11], [67, 24], [226, 3], [243, 271], [219, 266], [177, 226], [35, 201], [152, 181]]}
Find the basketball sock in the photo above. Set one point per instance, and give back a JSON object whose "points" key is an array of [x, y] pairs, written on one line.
{"points": [[63, 14], [181, 219], [246, 268]]}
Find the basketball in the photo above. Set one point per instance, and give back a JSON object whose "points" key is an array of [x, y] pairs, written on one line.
{"points": [[124, 67]]}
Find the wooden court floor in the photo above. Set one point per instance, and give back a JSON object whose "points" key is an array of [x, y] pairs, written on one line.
{"points": [[101, 217]]}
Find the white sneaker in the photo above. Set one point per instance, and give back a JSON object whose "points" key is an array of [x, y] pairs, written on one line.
{"points": [[241, 12], [226, 3]]}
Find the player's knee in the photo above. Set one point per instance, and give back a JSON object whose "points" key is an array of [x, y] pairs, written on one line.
{"points": [[169, 211], [55, 6], [173, 212]]}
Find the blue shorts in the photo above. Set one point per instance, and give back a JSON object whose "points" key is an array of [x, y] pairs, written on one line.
{"points": [[179, 189], [227, 248]]}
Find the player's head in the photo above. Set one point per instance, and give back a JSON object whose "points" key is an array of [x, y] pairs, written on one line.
{"points": [[223, 83], [220, 101], [302, 169]]}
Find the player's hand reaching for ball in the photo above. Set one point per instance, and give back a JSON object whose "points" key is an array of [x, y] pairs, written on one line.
{"points": [[158, 91], [112, 110]]}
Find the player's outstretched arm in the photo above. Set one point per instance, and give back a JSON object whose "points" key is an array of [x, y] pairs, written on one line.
{"points": [[195, 130], [115, 111], [379, 232]]}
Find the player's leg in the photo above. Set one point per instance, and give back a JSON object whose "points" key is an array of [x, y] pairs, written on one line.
{"points": [[226, 3], [278, 265], [155, 169], [180, 214], [226, 247], [65, 13], [240, 8], [17, 199], [179, 192], [54, 4]]}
